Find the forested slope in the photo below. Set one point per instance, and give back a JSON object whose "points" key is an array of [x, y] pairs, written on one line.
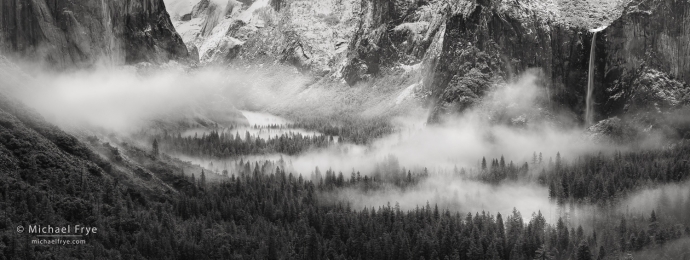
{"points": [[145, 208]]}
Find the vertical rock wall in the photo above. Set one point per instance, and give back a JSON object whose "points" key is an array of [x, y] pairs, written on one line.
{"points": [[495, 40], [487, 45], [68, 33], [648, 57]]}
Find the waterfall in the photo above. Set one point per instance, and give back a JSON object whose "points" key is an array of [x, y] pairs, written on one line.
{"points": [[589, 106]]}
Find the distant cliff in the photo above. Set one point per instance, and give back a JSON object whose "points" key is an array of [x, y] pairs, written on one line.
{"points": [[68, 33], [459, 49], [642, 58]]}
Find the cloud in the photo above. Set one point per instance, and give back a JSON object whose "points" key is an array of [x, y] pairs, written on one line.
{"points": [[126, 99], [118, 99], [511, 121], [452, 193]]}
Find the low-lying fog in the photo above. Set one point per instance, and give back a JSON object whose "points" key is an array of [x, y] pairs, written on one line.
{"points": [[260, 125], [511, 122]]}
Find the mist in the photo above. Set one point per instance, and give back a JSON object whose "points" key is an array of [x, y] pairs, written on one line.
{"points": [[677, 249], [462, 141], [511, 121], [669, 200], [126, 99], [454, 194]]}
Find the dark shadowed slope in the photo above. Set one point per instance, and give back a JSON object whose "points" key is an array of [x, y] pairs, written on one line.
{"points": [[66, 33]]}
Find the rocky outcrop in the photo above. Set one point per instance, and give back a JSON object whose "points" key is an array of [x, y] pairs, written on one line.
{"points": [[391, 33], [307, 34], [148, 33], [349, 39], [67, 33], [369, 43]]}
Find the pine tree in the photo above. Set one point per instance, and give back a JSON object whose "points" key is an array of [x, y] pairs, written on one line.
{"points": [[543, 254], [474, 251], [500, 236], [602, 253], [154, 150], [563, 236], [583, 252], [493, 252], [558, 160], [202, 179], [518, 251], [503, 162]]}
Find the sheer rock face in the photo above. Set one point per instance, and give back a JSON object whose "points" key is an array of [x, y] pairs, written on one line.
{"points": [[369, 43], [148, 32], [68, 33], [489, 43], [643, 55], [344, 39], [392, 32], [460, 48], [652, 33], [648, 59]]}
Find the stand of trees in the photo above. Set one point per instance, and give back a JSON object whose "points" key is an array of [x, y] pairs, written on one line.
{"points": [[222, 144], [600, 178], [146, 207], [225, 145], [351, 130], [596, 178], [386, 172], [279, 216]]}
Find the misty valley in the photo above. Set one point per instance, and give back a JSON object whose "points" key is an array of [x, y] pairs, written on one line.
{"points": [[345, 129]]}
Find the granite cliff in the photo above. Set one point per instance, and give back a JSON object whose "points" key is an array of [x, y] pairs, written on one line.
{"points": [[460, 49], [641, 56], [69, 33]]}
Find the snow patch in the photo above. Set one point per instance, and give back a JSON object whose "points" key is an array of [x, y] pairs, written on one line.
{"points": [[598, 29], [405, 93], [410, 68], [189, 30], [263, 119], [216, 38], [248, 14], [416, 27], [178, 8]]}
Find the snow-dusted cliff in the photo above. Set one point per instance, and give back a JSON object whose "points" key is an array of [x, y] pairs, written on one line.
{"points": [[458, 48]]}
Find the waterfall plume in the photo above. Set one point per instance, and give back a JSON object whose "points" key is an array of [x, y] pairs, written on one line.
{"points": [[589, 106]]}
